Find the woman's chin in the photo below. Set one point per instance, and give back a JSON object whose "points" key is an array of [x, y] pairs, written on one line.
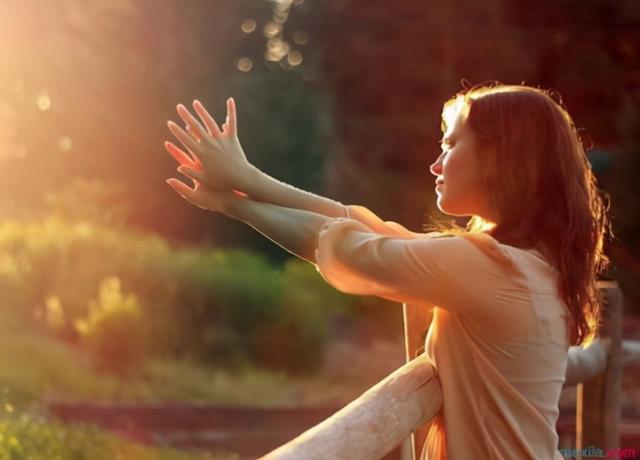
{"points": [[446, 207]]}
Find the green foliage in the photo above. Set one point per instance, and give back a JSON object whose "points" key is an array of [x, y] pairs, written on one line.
{"points": [[55, 370], [224, 306], [28, 437], [111, 330], [61, 373], [25, 438], [304, 325]]}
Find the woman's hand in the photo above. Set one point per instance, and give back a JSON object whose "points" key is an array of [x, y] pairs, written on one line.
{"points": [[206, 198], [215, 157]]}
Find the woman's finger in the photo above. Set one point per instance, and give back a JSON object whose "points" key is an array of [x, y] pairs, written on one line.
{"points": [[198, 196], [184, 191], [181, 156], [191, 173], [231, 117], [181, 188], [183, 137], [178, 186], [207, 119], [193, 125]]}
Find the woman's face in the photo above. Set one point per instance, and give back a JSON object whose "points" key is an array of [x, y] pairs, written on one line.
{"points": [[461, 192]]}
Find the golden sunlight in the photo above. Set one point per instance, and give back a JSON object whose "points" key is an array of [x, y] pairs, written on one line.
{"points": [[43, 101]]}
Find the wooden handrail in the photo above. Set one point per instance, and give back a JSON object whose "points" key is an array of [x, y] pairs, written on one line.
{"points": [[399, 408], [376, 422], [599, 384]]}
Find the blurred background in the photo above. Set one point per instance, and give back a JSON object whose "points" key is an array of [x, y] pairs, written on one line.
{"points": [[115, 291]]}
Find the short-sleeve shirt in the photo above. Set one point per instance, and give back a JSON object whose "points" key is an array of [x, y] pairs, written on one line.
{"points": [[498, 338]]}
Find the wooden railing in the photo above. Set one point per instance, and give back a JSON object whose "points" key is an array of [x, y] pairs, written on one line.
{"points": [[598, 403], [377, 424]]}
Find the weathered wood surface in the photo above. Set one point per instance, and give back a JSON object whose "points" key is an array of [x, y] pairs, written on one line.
{"points": [[376, 422], [416, 322]]}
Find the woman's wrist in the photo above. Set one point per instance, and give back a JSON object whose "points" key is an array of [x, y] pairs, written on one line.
{"points": [[234, 205], [252, 181], [255, 182]]}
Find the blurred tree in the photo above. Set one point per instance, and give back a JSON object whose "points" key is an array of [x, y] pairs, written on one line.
{"points": [[342, 97], [390, 68], [90, 91], [625, 202]]}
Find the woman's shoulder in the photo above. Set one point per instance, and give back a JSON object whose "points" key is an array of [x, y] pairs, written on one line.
{"points": [[479, 241]]}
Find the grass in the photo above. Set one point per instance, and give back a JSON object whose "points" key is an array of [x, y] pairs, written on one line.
{"points": [[56, 371], [37, 368], [26, 437]]}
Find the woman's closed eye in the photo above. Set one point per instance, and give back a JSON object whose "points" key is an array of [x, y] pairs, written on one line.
{"points": [[445, 146]]}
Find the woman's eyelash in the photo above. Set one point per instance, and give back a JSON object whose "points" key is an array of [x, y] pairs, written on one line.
{"points": [[446, 145]]}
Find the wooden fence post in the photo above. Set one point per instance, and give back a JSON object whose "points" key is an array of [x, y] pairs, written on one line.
{"points": [[598, 399], [416, 322]]}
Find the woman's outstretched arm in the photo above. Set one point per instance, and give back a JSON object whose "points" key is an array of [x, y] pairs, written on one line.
{"points": [[348, 255], [263, 187], [217, 159], [294, 230], [214, 157]]}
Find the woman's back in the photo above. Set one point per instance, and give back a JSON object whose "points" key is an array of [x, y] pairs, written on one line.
{"points": [[501, 370], [498, 338]]}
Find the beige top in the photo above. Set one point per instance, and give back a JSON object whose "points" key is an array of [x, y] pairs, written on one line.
{"points": [[498, 336]]}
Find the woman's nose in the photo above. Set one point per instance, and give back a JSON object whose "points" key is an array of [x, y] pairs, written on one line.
{"points": [[436, 167]]}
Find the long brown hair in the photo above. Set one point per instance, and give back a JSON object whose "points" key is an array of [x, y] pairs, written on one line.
{"points": [[542, 187]]}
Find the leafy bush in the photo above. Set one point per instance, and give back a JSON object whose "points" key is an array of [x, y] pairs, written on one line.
{"points": [[25, 438], [33, 438], [295, 341], [111, 331], [216, 305]]}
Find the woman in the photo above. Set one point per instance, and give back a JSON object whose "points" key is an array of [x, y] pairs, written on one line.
{"points": [[513, 290]]}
